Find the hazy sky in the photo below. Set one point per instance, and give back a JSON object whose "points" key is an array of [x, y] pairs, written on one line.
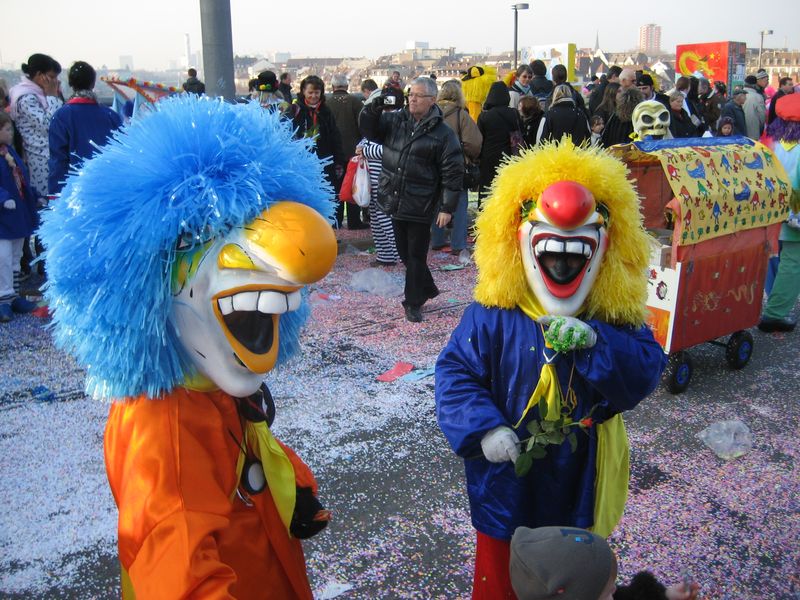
{"points": [[99, 31]]}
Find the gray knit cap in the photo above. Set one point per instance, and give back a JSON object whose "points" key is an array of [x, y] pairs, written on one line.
{"points": [[564, 563]]}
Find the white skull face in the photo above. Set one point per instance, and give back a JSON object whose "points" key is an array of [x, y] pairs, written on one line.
{"points": [[229, 293], [563, 238], [650, 120]]}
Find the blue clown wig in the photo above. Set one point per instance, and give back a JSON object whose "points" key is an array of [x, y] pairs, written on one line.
{"points": [[193, 166]]}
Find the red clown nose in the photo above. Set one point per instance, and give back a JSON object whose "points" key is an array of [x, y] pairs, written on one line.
{"points": [[566, 204]]}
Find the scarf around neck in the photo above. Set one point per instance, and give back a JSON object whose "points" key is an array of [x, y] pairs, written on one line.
{"points": [[23, 88]]}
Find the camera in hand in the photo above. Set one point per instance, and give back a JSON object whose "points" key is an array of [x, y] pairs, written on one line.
{"points": [[389, 100]]}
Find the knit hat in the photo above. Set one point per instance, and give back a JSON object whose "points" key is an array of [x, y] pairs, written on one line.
{"points": [[788, 107], [762, 74], [644, 79], [738, 92], [563, 563]]}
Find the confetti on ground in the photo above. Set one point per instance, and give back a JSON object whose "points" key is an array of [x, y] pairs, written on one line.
{"points": [[401, 525]]}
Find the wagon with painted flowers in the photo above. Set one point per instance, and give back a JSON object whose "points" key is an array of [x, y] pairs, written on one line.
{"points": [[714, 208]]}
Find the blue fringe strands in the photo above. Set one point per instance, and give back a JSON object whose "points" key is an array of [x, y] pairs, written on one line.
{"points": [[195, 165]]}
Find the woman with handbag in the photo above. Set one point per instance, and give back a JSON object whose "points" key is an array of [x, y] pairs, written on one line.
{"points": [[456, 116]]}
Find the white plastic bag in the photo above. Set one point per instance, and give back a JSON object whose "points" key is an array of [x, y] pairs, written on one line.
{"points": [[361, 184], [376, 281], [728, 439]]}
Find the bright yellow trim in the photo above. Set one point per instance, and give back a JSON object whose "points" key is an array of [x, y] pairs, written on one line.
{"points": [[126, 585], [613, 473]]}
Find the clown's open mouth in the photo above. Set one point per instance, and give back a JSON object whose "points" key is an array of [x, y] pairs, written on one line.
{"points": [[250, 316], [563, 261]]}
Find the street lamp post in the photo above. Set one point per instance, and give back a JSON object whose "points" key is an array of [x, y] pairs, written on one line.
{"points": [[516, 8], [763, 32]]}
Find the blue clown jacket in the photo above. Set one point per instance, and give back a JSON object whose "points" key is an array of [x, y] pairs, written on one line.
{"points": [[22, 220], [484, 379]]}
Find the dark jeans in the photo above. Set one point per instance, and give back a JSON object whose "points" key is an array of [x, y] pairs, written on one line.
{"points": [[353, 214], [412, 245]]}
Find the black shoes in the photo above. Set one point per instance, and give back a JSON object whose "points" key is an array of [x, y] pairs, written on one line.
{"points": [[413, 313], [771, 325]]}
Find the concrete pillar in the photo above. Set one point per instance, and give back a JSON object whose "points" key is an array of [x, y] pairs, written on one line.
{"points": [[215, 22]]}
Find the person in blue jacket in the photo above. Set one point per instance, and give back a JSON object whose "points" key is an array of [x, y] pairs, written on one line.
{"points": [[530, 387], [18, 220], [78, 127]]}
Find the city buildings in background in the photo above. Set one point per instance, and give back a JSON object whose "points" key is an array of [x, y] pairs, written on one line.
{"points": [[418, 58], [650, 38]]}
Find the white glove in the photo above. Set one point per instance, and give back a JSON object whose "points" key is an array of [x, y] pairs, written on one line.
{"points": [[500, 444], [567, 333], [10, 204]]}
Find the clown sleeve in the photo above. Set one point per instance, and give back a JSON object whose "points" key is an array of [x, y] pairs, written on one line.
{"points": [[624, 366], [465, 407], [167, 467]]}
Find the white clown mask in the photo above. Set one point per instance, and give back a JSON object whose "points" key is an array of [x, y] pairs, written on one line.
{"points": [[229, 293], [650, 120], [563, 237]]}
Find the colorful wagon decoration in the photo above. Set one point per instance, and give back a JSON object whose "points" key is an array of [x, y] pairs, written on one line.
{"points": [[714, 208]]}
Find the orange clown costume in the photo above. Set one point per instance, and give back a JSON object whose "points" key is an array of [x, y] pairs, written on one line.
{"points": [[179, 297]]}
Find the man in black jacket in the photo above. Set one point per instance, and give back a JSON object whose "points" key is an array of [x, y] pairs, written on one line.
{"points": [[421, 180], [644, 82]]}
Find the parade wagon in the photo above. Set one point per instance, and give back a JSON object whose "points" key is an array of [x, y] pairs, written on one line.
{"points": [[713, 207]]}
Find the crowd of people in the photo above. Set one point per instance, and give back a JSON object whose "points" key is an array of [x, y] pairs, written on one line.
{"points": [[424, 151], [53, 134], [44, 135]]}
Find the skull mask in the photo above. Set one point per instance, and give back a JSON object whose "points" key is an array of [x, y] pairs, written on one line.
{"points": [[650, 120]]}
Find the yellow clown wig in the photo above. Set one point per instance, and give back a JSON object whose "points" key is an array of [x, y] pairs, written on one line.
{"points": [[620, 292]]}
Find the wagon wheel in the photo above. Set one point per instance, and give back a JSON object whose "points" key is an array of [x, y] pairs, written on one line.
{"points": [[678, 372], [739, 349]]}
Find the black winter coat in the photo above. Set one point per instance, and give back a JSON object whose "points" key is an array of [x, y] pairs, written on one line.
{"points": [[422, 169], [681, 126], [496, 123], [346, 108], [327, 139], [564, 118], [616, 132]]}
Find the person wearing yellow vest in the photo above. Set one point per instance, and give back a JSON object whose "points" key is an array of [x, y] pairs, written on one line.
{"points": [[178, 297], [531, 384]]}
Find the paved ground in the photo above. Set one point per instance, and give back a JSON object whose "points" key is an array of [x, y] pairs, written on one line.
{"points": [[401, 527]]}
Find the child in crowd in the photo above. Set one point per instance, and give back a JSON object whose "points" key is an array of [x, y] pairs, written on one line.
{"points": [[725, 127], [18, 219], [531, 112], [596, 124], [575, 564]]}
